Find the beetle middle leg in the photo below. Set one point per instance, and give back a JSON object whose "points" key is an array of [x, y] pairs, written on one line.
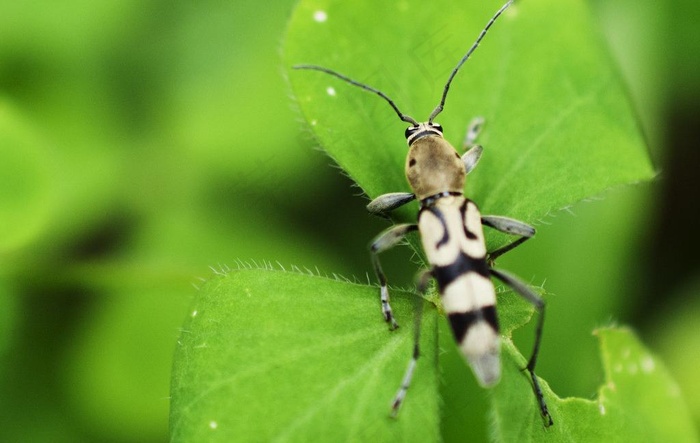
{"points": [[509, 226], [385, 203], [387, 240]]}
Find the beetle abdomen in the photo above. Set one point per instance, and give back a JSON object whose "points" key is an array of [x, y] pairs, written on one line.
{"points": [[453, 241]]}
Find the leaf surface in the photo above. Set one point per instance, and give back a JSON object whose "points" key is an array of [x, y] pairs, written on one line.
{"points": [[271, 355], [289, 357], [559, 127]]}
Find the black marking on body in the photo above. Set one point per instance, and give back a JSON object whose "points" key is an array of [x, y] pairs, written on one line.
{"points": [[491, 317], [444, 275], [430, 201], [411, 162], [460, 322], [470, 235], [438, 213], [412, 138]]}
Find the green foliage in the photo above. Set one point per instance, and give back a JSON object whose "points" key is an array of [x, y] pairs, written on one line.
{"points": [[539, 164], [545, 158], [637, 387], [267, 355], [677, 340], [143, 141], [26, 197], [124, 170], [559, 127]]}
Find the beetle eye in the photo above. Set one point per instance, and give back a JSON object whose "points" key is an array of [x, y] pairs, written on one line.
{"points": [[410, 131], [437, 126]]}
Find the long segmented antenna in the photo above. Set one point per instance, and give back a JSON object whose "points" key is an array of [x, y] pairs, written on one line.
{"points": [[401, 115], [438, 108]]}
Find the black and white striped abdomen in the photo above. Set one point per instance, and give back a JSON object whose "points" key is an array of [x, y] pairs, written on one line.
{"points": [[453, 241]]}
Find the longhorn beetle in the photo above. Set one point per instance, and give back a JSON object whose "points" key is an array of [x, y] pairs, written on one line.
{"points": [[451, 232]]}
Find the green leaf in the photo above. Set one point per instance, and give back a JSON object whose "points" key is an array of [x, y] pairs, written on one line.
{"points": [[278, 355], [541, 78], [259, 358], [25, 179], [638, 401], [118, 366], [675, 336], [559, 127], [9, 316]]}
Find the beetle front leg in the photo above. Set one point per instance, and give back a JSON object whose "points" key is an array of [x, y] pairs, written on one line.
{"points": [[473, 131], [386, 203], [384, 241], [473, 151]]}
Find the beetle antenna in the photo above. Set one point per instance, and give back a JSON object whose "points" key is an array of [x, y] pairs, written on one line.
{"points": [[438, 108], [401, 115]]}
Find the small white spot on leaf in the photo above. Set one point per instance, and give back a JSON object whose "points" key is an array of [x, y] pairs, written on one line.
{"points": [[314, 122], [320, 16], [648, 364], [601, 408], [213, 424], [194, 313], [330, 91]]}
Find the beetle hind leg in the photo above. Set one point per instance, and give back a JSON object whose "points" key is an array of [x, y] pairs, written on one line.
{"points": [[524, 291]]}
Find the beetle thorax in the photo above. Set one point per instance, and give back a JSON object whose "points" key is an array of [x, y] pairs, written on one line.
{"points": [[433, 166]]}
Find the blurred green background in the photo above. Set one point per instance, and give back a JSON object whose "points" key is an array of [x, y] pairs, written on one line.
{"points": [[143, 141]]}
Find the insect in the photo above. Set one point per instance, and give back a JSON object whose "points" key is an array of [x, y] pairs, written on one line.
{"points": [[451, 232]]}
